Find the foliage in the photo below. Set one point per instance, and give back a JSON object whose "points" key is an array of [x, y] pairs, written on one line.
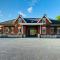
{"points": [[58, 17]]}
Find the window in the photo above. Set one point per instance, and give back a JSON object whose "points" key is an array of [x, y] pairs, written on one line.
{"points": [[6, 29], [32, 31], [19, 30], [58, 30], [19, 20], [43, 30], [52, 30], [43, 20], [12, 30]]}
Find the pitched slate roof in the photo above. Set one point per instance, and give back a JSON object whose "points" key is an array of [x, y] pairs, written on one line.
{"points": [[31, 20], [55, 21], [28, 20], [9, 22]]}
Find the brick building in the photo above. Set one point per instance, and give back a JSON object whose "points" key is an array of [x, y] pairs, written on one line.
{"points": [[30, 27]]}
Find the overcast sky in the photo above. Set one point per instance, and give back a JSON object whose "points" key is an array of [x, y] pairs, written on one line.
{"points": [[10, 9]]}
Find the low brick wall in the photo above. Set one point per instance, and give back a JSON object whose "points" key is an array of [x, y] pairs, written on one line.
{"points": [[50, 36], [23, 36], [10, 36]]}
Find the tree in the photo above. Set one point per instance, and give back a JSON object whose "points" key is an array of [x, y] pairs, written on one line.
{"points": [[58, 17]]}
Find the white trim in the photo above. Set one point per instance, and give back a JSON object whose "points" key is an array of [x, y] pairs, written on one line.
{"points": [[40, 29], [38, 20], [18, 18], [43, 28], [22, 30], [48, 20], [32, 23], [58, 30], [23, 19]]}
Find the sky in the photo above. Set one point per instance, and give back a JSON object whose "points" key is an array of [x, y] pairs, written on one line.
{"points": [[10, 9]]}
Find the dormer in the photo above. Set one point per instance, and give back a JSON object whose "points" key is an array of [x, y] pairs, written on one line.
{"points": [[21, 19], [44, 20]]}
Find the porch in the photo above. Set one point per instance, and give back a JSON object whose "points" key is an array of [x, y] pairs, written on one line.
{"points": [[31, 31], [41, 31]]}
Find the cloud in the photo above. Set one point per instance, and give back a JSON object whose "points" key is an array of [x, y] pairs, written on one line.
{"points": [[30, 9], [32, 2], [21, 13]]}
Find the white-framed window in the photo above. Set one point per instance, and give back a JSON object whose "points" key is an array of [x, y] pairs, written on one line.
{"points": [[44, 20], [19, 29], [43, 30], [58, 30], [19, 20], [12, 30], [6, 29], [52, 30]]}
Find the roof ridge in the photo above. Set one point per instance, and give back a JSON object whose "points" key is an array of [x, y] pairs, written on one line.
{"points": [[32, 18]]}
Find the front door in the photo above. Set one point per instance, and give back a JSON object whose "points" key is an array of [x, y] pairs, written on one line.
{"points": [[31, 31]]}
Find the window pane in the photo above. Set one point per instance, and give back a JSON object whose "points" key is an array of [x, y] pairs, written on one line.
{"points": [[43, 30], [43, 20], [52, 30], [32, 31], [58, 30]]}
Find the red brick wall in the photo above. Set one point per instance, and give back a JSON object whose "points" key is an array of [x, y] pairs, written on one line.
{"points": [[15, 30], [48, 30], [47, 22], [38, 29], [24, 29]]}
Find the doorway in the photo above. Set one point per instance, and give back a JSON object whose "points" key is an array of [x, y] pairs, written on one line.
{"points": [[31, 31]]}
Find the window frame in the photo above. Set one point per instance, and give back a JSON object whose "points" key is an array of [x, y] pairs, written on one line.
{"points": [[58, 30], [52, 30], [43, 28], [44, 20]]}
